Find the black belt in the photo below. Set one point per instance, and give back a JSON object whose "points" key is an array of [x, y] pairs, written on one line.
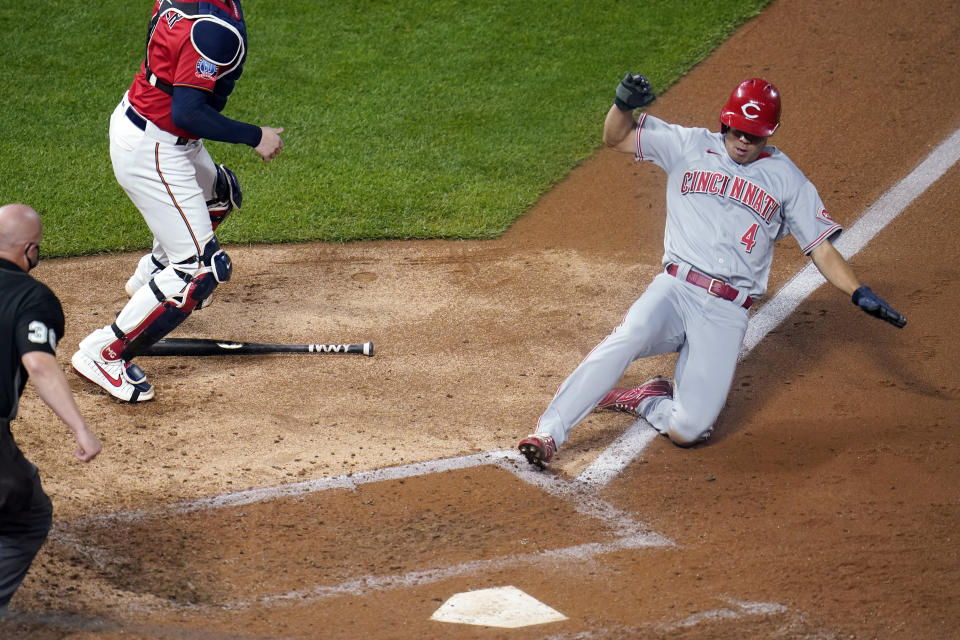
{"points": [[141, 123], [713, 286]]}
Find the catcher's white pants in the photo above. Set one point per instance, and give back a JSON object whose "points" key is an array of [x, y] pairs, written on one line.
{"points": [[170, 185], [671, 315]]}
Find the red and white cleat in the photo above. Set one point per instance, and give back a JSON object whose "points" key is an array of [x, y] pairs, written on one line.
{"points": [[628, 400], [538, 448], [121, 379]]}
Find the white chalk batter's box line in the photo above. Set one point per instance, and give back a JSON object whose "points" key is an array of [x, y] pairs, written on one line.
{"points": [[628, 533], [510, 461]]}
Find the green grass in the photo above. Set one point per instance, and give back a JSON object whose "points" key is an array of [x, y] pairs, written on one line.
{"points": [[402, 119]]}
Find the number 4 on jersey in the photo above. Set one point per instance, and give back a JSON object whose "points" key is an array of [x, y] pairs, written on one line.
{"points": [[750, 237]]}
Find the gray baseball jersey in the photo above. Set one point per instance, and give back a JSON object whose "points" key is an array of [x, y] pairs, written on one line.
{"points": [[723, 219]]}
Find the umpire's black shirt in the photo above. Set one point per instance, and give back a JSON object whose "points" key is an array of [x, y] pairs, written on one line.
{"points": [[31, 319]]}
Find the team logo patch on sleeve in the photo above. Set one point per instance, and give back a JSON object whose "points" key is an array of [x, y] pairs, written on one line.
{"points": [[824, 215], [206, 70]]}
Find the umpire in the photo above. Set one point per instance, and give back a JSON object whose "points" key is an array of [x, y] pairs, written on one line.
{"points": [[31, 321]]}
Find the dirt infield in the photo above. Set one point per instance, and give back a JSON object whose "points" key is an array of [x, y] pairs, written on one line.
{"points": [[339, 496]]}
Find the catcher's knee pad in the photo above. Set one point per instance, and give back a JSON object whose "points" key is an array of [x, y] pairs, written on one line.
{"points": [[171, 295], [227, 196], [216, 261]]}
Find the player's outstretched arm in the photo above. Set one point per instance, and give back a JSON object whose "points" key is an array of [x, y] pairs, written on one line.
{"points": [[838, 272], [52, 387], [834, 267]]}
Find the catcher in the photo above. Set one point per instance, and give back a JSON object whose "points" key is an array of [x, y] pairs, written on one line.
{"points": [[194, 55]]}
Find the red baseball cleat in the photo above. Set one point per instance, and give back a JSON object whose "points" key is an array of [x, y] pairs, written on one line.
{"points": [[538, 448], [628, 400]]}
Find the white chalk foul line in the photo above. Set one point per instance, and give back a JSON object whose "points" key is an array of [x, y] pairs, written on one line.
{"points": [[888, 206], [263, 494], [614, 459]]}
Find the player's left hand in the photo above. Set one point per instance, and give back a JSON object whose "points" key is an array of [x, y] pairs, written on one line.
{"points": [[876, 306]]}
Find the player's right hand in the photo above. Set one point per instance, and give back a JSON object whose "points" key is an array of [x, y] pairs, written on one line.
{"points": [[270, 143]]}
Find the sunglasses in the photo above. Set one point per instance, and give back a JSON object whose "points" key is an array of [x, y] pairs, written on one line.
{"points": [[749, 137]]}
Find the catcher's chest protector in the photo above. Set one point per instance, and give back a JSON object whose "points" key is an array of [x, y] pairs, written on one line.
{"points": [[226, 15]]}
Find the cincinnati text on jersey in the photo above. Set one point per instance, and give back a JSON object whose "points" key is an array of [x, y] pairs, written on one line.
{"points": [[717, 183]]}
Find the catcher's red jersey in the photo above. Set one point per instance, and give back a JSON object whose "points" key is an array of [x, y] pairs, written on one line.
{"points": [[174, 59]]}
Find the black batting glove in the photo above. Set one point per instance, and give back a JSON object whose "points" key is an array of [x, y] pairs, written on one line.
{"points": [[633, 92], [876, 306]]}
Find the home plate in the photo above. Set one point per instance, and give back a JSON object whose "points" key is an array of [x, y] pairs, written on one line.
{"points": [[500, 607]]}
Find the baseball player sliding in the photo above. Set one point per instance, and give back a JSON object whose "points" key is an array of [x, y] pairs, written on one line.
{"points": [[730, 197], [194, 55]]}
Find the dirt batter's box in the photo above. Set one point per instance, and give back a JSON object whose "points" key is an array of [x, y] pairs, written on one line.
{"points": [[371, 531]]}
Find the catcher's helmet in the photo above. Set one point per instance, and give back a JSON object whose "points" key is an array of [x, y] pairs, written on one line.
{"points": [[754, 107]]}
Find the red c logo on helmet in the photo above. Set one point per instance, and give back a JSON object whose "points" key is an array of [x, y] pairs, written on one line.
{"points": [[753, 107]]}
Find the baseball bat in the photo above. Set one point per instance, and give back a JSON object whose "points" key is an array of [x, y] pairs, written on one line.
{"points": [[206, 347]]}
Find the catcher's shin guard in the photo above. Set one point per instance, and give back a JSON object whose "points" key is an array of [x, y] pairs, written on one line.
{"points": [[227, 196], [171, 296]]}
